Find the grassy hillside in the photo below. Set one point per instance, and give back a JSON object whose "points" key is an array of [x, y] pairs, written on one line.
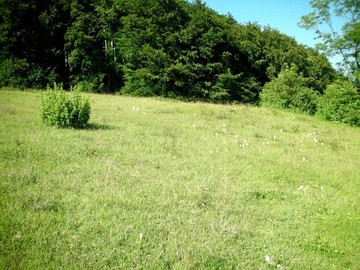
{"points": [[159, 184]]}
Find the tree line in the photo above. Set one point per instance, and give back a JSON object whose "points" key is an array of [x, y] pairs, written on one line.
{"points": [[169, 48]]}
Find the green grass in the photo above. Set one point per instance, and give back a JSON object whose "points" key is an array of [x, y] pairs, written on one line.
{"points": [[159, 184]]}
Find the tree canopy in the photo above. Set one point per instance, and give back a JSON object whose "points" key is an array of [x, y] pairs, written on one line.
{"points": [[170, 48]]}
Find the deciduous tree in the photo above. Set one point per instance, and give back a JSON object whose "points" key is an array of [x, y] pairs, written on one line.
{"points": [[345, 41]]}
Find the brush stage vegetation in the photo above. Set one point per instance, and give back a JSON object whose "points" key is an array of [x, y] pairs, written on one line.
{"points": [[180, 50], [169, 48], [65, 110]]}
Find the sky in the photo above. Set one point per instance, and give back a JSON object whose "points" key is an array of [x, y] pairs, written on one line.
{"points": [[282, 15]]}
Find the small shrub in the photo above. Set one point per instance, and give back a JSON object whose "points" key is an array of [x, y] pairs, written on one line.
{"points": [[95, 84], [13, 73], [289, 91], [138, 83], [18, 73], [340, 103], [65, 110]]}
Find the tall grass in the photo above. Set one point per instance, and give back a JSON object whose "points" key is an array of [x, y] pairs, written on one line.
{"points": [[159, 184]]}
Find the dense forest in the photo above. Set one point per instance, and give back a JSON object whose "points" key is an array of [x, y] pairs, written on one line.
{"points": [[170, 48]]}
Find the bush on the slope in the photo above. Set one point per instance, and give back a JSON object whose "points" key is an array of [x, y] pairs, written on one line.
{"points": [[340, 103], [65, 110], [289, 91]]}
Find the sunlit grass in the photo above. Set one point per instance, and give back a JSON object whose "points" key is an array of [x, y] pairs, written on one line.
{"points": [[160, 184]]}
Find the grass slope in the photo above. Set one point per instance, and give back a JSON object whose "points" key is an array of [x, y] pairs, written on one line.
{"points": [[159, 184]]}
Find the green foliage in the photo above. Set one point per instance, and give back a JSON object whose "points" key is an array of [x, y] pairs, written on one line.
{"points": [[13, 72], [267, 49], [344, 43], [148, 43], [92, 84], [64, 110], [200, 59], [289, 91], [32, 32], [318, 70], [340, 103], [234, 87], [138, 83], [91, 63], [19, 73], [170, 48]]}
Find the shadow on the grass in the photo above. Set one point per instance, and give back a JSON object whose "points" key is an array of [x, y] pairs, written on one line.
{"points": [[94, 126]]}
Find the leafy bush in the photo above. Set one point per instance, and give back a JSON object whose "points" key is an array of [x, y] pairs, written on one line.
{"points": [[340, 103], [138, 83], [13, 73], [234, 87], [92, 84], [19, 73], [65, 110], [289, 91]]}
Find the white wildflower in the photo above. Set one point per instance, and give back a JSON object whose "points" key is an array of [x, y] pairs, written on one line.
{"points": [[244, 144], [301, 187], [269, 260]]}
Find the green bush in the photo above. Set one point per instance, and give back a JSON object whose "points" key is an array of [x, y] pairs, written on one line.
{"points": [[18, 73], [138, 83], [62, 109], [289, 91], [340, 103], [13, 73]]}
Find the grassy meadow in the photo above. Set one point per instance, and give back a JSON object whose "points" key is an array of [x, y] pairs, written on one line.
{"points": [[161, 184]]}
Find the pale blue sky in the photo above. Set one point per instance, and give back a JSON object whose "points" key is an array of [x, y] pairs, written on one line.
{"points": [[282, 15]]}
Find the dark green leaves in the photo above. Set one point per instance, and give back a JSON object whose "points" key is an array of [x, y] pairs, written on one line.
{"points": [[169, 48]]}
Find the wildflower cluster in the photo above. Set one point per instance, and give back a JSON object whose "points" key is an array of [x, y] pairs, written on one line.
{"points": [[314, 137]]}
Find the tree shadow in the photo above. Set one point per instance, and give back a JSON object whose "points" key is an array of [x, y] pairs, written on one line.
{"points": [[94, 126]]}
